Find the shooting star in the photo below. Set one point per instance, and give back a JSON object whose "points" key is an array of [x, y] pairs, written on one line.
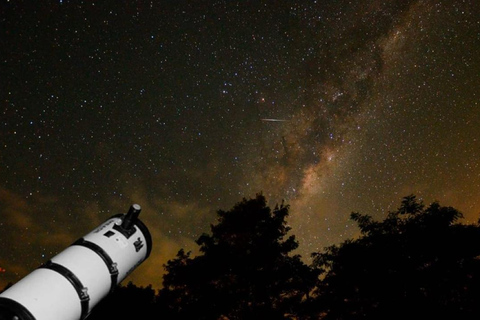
{"points": [[274, 120]]}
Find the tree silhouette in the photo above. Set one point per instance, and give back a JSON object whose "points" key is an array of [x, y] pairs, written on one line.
{"points": [[127, 302], [417, 263], [244, 272]]}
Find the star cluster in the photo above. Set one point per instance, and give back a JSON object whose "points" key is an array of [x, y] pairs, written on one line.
{"points": [[161, 104]]}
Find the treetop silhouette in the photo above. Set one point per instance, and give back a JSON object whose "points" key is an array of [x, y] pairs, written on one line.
{"points": [[245, 271], [417, 262]]}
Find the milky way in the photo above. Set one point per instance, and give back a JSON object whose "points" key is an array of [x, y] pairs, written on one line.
{"points": [[187, 108]]}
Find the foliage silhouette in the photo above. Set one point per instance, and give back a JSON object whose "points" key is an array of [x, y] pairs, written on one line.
{"points": [[127, 302], [245, 271], [417, 263]]}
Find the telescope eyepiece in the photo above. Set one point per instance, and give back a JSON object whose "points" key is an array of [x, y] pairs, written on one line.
{"points": [[131, 217], [128, 221]]}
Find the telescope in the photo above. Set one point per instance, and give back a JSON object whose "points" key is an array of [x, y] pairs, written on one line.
{"points": [[69, 285]]}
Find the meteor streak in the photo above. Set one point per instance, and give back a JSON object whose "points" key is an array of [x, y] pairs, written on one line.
{"points": [[274, 120]]}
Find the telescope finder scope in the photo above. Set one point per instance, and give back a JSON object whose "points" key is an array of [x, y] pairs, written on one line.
{"points": [[69, 285]]}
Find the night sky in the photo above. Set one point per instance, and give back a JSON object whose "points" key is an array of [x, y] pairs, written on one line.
{"points": [[163, 103]]}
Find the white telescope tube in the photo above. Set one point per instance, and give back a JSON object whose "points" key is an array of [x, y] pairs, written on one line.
{"points": [[69, 285]]}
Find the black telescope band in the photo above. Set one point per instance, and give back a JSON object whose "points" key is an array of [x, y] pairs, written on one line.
{"points": [[76, 283], [112, 266]]}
